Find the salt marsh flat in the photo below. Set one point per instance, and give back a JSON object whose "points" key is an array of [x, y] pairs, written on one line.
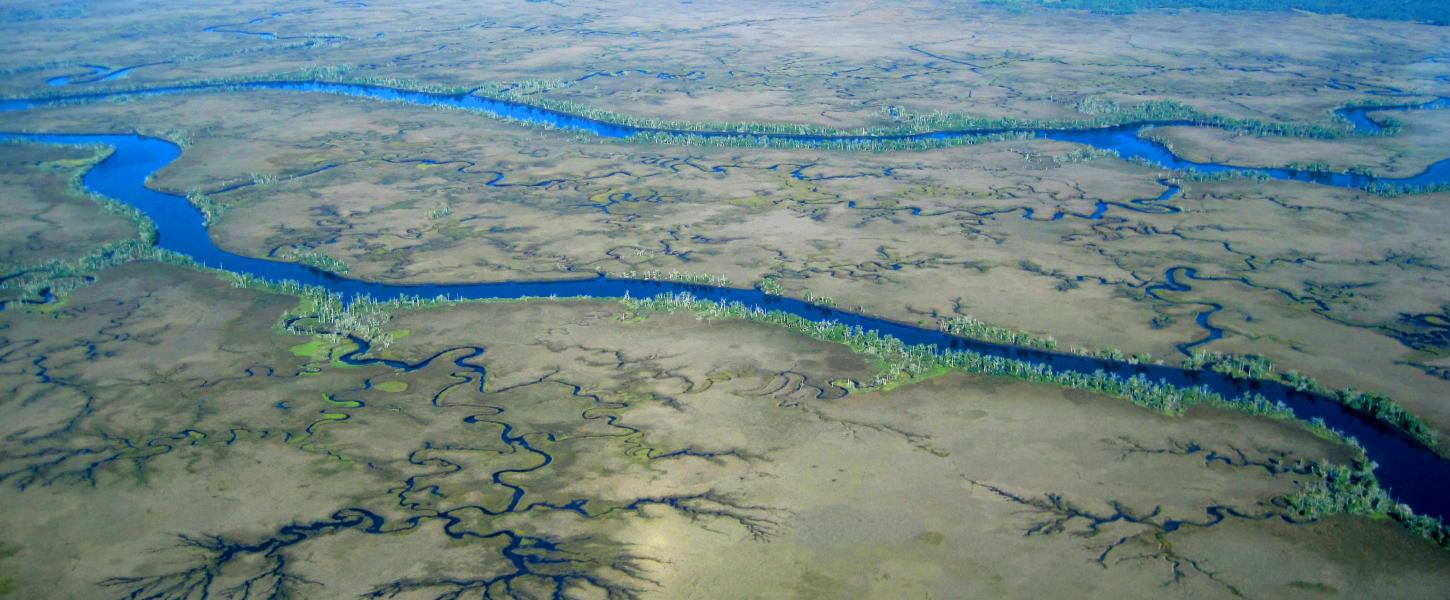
{"points": [[1059, 191]]}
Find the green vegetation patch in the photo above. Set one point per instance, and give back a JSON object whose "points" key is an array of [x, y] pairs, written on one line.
{"points": [[341, 403], [7, 583], [1377, 406], [1354, 490], [391, 387], [971, 327], [320, 261], [322, 349]]}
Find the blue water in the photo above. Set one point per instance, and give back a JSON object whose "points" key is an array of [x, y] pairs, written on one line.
{"points": [[96, 75], [1413, 473], [237, 28], [1359, 116], [120, 73], [1173, 283], [266, 35], [70, 79], [1124, 139]]}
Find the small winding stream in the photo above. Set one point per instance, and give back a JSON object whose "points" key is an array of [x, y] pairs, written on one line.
{"points": [[1411, 472]]}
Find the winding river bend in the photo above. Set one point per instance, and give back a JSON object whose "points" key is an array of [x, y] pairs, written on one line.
{"points": [[1413, 473], [1125, 139]]}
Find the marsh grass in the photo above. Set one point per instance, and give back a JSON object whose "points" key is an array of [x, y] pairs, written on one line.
{"points": [[899, 363], [1337, 489], [1349, 490], [53, 280], [365, 319]]}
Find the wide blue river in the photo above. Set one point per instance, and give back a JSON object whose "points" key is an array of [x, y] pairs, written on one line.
{"points": [[1413, 473]]}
